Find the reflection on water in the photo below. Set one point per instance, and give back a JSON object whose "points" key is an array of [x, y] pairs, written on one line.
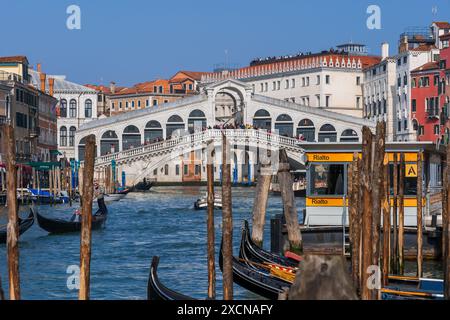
{"points": [[162, 222]]}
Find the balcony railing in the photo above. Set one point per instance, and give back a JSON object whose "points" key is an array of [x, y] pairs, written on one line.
{"points": [[34, 132], [7, 76]]}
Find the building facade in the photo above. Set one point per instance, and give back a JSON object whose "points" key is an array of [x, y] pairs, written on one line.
{"points": [[379, 92], [330, 80], [77, 105]]}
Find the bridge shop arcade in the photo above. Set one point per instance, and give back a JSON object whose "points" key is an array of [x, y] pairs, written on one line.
{"points": [[325, 219]]}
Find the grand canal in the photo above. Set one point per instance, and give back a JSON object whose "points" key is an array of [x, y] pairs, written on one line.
{"points": [[162, 222]]}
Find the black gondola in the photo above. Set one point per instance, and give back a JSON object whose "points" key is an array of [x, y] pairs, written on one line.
{"points": [[255, 279], [156, 290], [57, 226], [250, 251], [24, 225], [142, 186]]}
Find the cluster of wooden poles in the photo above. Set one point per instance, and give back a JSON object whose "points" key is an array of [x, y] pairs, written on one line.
{"points": [[13, 218], [105, 178], [259, 211], [370, 212]]}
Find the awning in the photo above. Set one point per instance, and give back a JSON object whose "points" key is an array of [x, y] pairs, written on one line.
{"points": [[55, 152], [44, 166]]}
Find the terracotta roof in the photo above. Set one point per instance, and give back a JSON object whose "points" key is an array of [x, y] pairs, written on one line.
{"points": [[424, 47], [445, 36], [427, 66], [442, 24], [196, 75], [21, 59], [102, 88]]}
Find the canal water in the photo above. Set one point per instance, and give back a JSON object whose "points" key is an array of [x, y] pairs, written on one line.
{"points": [[162, 222]]}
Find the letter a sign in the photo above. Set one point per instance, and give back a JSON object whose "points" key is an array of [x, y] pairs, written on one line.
{"points": [[411, 170]]}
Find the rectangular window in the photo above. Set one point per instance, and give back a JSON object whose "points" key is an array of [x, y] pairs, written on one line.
{"points": [[318, 101], [413, 82], [185, 170], [155, 102], [307, 81], [197, 169], [293, 83], [358, 102], [120, 105], [303, 82], [155, 172], [287, 84], [436, 129], [436, 81], [266, 86], [161, 89], [413, 105], [262, 87], [327, 179], [318, 79], [399, 62], [177, 170], [327, 101], [147, 102], [327, 79], [190, 86], [278, 85], [358, 81], [166, 169], [274, 86], [132, 104], [112, 106], [126, 105], [139, 103]]}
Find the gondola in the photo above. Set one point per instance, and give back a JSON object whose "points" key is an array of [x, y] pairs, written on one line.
{"points": [[156, 290], [250, 251], [58, 226], [413, 288], [142, 186], [255, 279], [24, 225]]}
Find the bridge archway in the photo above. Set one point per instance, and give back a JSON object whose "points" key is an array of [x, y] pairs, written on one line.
{"points": [[327, 133], [349, 135], [229, 104], [109, 143], [153, 131], [284, 125], [196, 121], [306, 130], [262, 120], [131, 137], [174, 123]]}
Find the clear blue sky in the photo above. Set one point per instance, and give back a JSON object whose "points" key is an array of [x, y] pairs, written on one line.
{"points": [[133, 41]]}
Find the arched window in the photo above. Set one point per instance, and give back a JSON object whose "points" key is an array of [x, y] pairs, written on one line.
{"points": [[72, 131], [63, 108], [306, 130], [131, 138], [196, 121], [88, 108], [262, 120], [327, 133], [73, 108], [174, 123], [63, 137], [109, 143], [349, 135], [284, 125], [153, 132]]}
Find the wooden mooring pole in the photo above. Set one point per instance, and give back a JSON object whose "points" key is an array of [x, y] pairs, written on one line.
{"points": [[401, 216], [290, 210], [2, 294], [210, 231], [367, 217], [419, 214], [12, 241], [386, 222], [355, 221], [446, 226], [227, 222], [394, 256], [260, 203], [86, 218]]}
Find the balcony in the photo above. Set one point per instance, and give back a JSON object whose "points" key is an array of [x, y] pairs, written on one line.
{"points": [[433, 113], [34, 132], [7, 76]]}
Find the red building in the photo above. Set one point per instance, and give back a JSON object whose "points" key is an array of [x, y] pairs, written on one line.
{"points": [[426, 105]]}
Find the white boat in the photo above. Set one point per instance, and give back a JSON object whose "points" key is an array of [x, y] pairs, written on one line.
{"points": [[202, 203]]}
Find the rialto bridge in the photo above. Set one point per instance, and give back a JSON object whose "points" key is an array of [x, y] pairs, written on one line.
{"points": [[169, 142]]}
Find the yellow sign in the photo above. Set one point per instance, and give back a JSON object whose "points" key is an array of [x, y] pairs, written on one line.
{"points": [[411, 170], [324, 202], [330, 157], [408, 202], [409, 157]]}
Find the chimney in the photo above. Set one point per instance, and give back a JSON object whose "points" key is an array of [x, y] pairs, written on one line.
{"points": [[51, 84], [384, 50], [43, 78], [112, 87], [39, 67], [403, 44]]}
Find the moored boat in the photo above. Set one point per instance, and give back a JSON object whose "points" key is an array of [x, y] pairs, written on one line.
{"points": [[156, 290], [413, 288], [256, 278], [250, 251], [24, 225], [142, 186], [58, 226]]}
